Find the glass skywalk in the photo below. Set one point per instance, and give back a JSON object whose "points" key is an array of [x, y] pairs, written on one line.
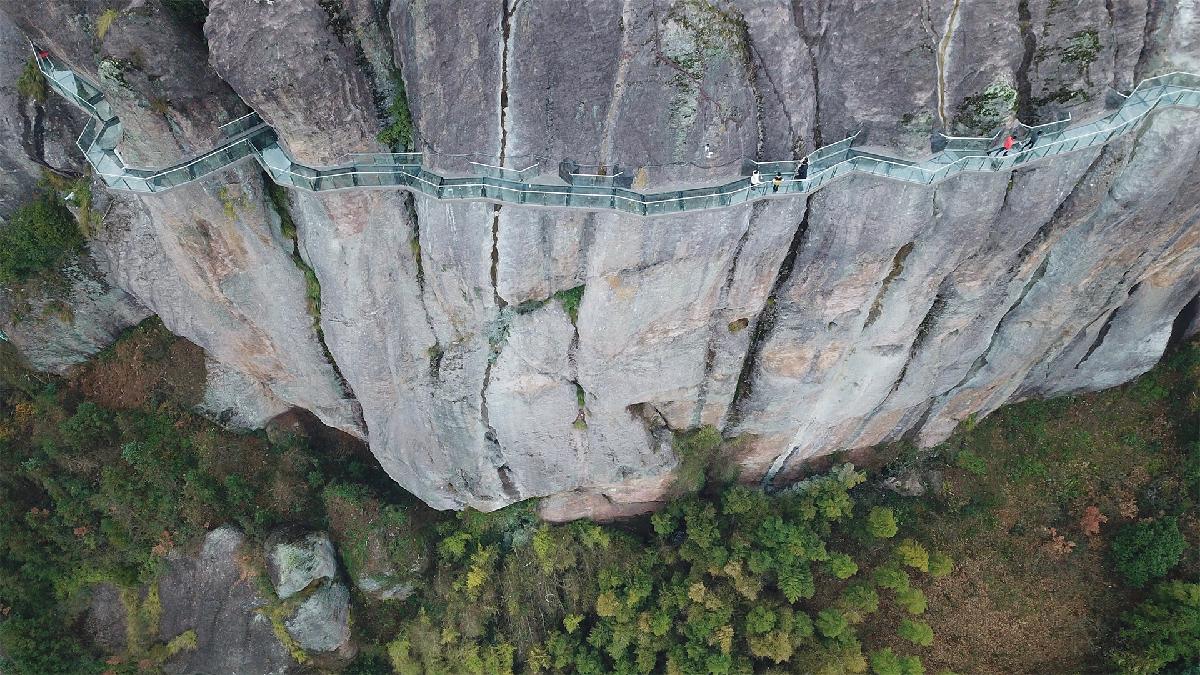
{"points": [[249, 136]]}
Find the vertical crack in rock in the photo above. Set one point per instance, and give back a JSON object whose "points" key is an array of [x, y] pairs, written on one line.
{"points": [[435, 352], [1103, 333], [1001, 325], [765, 322], [943, 52], [277, 201], [896, 271], [811, 42], [624, 59], [750, 61], [1116, 42], [506, 13], [1028, 49], [1153, 11], [718, 326], [759, 67], [500, 328]]}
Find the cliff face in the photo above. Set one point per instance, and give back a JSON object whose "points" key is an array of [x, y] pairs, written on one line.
{"points": [[869, 311]]}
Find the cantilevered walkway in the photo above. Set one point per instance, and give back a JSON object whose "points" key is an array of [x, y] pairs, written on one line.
{"points": [[249, 136]]}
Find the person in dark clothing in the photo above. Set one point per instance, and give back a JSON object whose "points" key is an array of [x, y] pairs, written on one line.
{"points": [[801, 171], [776, 182]]}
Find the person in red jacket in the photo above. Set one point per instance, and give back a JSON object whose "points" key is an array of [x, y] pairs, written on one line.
{"points": [[1008, 143]]}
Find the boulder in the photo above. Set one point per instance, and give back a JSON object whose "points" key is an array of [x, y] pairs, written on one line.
{"points": [[322, 621], [295, 565]]}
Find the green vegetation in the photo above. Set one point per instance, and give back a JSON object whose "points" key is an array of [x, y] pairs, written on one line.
{"points": [[695, 451], [881, 522], [31, 84], [1082, 48], [398, 135], [278, 200], [40, 236], [983, 112], [104, 22], [722, 584], [92, 492], [966, 459], [1162, 632], [1060, 515], [570, 300], [1148, 550], [1071, 527]]}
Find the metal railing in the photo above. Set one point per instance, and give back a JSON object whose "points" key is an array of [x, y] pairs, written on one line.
{"points": [[249, 136]]}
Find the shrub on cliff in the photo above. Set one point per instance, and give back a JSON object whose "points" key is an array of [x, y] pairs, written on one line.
{"points": [[41, 235], [1148, 550]]}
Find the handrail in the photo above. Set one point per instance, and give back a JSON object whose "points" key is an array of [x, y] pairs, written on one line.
{"points": [[248, 136]]}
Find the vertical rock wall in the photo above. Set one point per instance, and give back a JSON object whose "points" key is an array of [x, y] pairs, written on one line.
{"points": [[869, 311]]}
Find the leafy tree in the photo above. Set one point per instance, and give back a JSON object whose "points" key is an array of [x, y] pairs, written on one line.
{"points": [[858, 600], [775, 645], [39, 236], [695, 449], [916, 632], [1161, 632], [1147, 550], [881, 522], [842, 566], [32, 84], [885, 662], [913, 554], [891, 576], [940, 565], [912, 600], [831, 623], [398, 135], [760, 620]]}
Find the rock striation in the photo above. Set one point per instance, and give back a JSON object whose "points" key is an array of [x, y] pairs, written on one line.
{"points": [[491, 354]]}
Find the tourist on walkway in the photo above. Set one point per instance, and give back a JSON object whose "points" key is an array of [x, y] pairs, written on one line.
{"points": [[801, 170], [755, 179], [1008, 143], [776, 182]]}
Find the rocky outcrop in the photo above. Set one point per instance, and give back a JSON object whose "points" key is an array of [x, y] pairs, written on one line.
{"points": [[213, 595], [316, 610], [57, 323], [498, 353], [322, 622], [295, 565]]}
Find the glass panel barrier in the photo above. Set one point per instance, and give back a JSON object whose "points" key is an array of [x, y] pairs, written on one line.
{"points": [[248, 136]]}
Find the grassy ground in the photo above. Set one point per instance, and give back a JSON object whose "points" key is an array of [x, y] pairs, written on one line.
{"points": [[1033, 592]]}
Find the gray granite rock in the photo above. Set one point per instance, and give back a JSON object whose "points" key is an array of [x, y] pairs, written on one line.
{"points": [[211, 595], [322, 622], [871, 311], [295, 565]]}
